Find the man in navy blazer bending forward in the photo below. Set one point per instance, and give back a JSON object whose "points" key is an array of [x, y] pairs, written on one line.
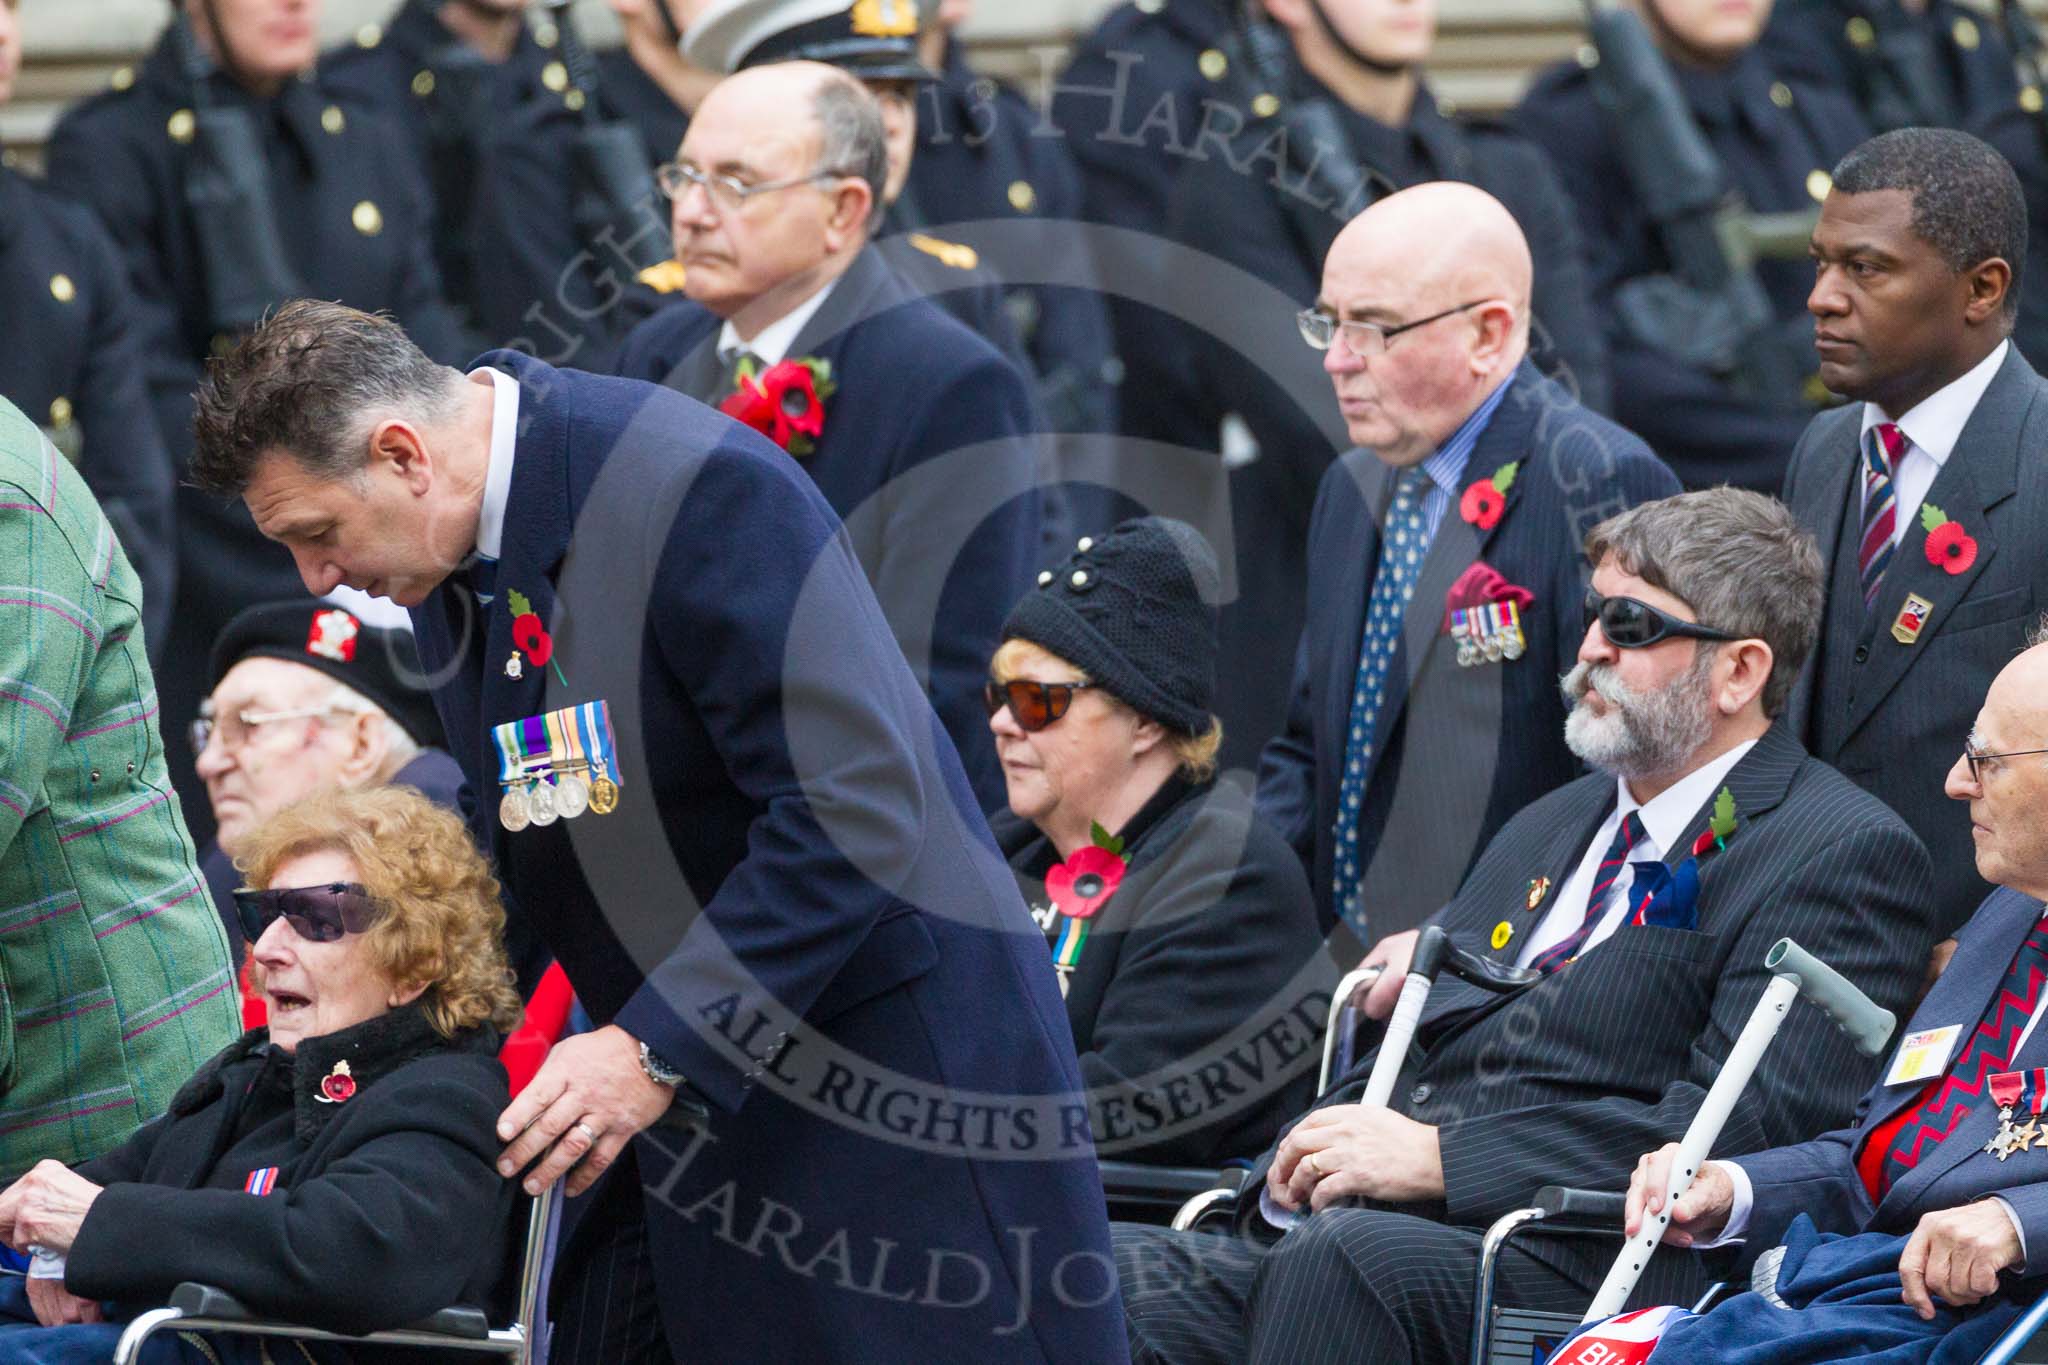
{"points": [[831, 1062]]}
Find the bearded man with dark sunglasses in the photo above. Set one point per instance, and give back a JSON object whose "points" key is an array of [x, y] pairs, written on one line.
{"points": [[1646, 896]]}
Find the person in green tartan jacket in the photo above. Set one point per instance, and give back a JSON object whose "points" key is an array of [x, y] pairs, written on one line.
{"points": [[115, 982]]}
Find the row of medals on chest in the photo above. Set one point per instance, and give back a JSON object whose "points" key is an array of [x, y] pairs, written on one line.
{"points": [[544, 791]]}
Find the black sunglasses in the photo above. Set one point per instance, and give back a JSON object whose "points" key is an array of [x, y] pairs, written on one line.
{"points": [[1630, 624], [1034, 704], [319, 914]]}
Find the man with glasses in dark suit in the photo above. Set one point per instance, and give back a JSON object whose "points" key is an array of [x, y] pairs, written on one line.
{"points": [[912, 426], [1927, 494], [1645, 898], [1444, 577]]}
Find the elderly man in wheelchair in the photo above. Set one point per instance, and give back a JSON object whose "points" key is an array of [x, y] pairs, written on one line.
{"points": [[1639, 905], [1918, 1232]]}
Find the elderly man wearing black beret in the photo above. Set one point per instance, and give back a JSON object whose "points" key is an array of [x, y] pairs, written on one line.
{"points": [[307, 696]]}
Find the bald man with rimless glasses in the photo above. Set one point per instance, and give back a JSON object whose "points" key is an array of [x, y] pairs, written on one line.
{"points": [[1472, 482]]}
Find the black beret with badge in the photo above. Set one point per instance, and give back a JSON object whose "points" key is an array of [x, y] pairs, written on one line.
{"points": [[379, 662]]}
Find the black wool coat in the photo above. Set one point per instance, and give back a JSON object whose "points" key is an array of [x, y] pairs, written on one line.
{"points": [[1198, 998], [386, 1206]]}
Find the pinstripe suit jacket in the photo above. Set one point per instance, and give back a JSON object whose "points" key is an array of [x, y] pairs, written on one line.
{"points": [[1819, 1177], [113, 967], [1456, 751], [1571, 1080], [1892, 715]]}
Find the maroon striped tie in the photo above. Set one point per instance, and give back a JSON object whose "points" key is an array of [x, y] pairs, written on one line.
{"points": [[1880, 506], [1627, 837]]}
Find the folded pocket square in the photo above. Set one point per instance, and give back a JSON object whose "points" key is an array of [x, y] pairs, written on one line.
{"points": [[1664, 897], [1480, 585]]}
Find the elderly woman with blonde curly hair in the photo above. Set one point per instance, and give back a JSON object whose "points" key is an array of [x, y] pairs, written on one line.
{"points": [[336, 1168]]}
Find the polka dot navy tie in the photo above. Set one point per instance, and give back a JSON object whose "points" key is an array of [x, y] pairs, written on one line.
{"points": [[1404, 541]]}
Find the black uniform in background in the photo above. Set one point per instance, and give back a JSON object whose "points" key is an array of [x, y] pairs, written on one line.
{"points": [[352, 221], [1968, 82], [80, 372], [1776, 141], [977, 159], [492, 140], [1139, 56]]}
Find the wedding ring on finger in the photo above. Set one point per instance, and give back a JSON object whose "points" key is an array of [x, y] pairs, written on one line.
{"points": [[1315, 1167], [587, 1131]]}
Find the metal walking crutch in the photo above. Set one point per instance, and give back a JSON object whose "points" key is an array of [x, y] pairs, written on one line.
{"points": [[1434, 953], [1796, 972]]}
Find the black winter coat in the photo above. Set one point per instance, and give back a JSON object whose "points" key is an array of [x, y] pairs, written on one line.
{"points": [[1198, 997], [386, 1206]]}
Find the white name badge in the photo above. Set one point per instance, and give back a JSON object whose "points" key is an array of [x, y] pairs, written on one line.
{"points": [[1923, 1055]]}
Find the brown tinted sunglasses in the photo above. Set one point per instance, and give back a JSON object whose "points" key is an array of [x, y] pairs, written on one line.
{"points": [[1034, 704]]}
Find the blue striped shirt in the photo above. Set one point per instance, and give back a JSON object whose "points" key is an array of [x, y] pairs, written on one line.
{"points": [[1446, 468]]}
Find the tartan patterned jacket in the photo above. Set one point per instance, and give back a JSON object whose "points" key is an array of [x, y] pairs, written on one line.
{"points": [[115, 983]]}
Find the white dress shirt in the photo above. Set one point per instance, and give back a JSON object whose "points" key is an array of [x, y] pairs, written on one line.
{"points": [[772, 342], [490, 521], [1664, 820], [1931, 428]]}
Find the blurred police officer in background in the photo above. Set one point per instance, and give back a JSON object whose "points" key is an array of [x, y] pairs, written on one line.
{"points": [[1309, 114], [535, 228], [977, 158], [1732, 416], [61, 283], [232, 177]]}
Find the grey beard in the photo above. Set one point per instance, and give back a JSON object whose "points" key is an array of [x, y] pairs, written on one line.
{"points": [[1643, 734]]}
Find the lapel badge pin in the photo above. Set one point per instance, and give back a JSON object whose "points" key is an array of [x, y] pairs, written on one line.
{"points": [[1539, 887], [1502, 932], [1912, 618]]}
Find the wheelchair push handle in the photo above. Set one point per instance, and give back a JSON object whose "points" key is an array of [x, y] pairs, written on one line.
{"points": [[1868, 1024]]}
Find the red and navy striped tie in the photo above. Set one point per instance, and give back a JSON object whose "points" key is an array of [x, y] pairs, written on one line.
{"points": [[1920, 1128], [1627, 837], [1881, 456]]}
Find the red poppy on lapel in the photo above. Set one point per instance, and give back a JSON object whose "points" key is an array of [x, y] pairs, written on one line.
{"points": [[1082, 884], [1484, 501], [786, 404], [337, 1085], [529, 636], [1949, 546]]}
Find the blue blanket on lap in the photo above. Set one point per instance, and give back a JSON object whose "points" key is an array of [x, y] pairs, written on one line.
{"points": [[1842, 1302]]}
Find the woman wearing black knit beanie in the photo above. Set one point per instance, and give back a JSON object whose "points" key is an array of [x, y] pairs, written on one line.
{"points": [[1177, 920]]}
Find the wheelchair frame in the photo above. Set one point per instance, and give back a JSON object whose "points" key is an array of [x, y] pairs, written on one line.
{"points": [[205, 1308]]}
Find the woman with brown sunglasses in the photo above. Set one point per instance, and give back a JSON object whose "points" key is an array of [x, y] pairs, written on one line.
{"points": [[1180, 925]]}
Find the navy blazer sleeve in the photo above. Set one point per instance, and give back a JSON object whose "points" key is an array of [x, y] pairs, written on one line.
{"points": [[1287, 765], [983, 410], [776, 642]]}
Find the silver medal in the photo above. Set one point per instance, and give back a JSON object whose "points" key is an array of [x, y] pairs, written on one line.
{"points": [[572, 796], [540, 802], [513, 812]]}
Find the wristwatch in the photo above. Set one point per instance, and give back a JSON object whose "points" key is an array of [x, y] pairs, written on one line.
{"points": [[658, 1071]]}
